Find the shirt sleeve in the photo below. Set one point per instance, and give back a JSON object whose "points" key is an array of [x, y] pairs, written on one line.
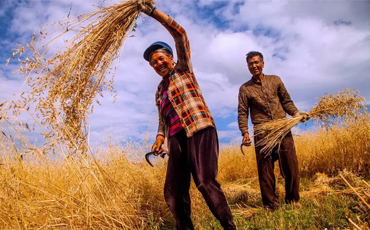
{"points": [[285, 99], [160, 125], [243, 111], [182, 44], [161, 129]]}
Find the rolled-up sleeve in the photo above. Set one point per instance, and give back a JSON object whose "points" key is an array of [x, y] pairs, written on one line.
{"points": [[160, 125], [161, 128]]}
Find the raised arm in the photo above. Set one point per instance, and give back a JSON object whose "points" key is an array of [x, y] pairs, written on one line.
{"points": [[179, 35]]}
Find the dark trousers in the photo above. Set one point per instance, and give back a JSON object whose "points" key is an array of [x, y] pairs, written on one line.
{"points": [[196, 156], [288, 167]]}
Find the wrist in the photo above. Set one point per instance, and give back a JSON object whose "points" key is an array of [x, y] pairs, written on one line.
{"points": [[151, 12], [160, 138]]}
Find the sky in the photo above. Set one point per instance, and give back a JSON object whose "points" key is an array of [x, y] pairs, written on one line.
{"points": [[316, 47]]}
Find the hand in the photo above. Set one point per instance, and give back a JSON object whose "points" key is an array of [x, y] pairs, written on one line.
{"points": [[157, 146], [305, 116], [246, 140], [145, 6]]}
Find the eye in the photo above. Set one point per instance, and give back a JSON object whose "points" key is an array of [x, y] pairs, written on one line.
{"points": [[153, 63]]}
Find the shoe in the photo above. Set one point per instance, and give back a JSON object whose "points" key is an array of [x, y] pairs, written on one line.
{"points": [[272, 207]]}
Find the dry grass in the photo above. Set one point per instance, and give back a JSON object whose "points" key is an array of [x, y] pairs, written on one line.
{"points": [[106, 189], [65, 83], [339, 148], [331, 109], [357, 223], [103, 192]]}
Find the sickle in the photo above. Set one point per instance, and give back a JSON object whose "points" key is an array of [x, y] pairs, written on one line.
{"points": [[163, 154], [241, 147], [147, 157]]}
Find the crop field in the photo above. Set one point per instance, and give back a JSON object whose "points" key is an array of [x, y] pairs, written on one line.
{"points": [[64, 183], [107, 189]]}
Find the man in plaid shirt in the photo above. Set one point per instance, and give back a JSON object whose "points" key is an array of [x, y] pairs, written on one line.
{"points": [[186, 122]]}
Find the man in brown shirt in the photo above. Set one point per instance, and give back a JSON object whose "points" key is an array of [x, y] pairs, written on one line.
{"points": [[266, 98]]}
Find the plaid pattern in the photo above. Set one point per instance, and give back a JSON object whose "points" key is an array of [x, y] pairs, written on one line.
{"points": [[183, 91], [168, 112]]}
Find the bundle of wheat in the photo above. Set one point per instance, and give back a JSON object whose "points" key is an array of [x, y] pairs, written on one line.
{"points": [[344, 105], [65, 84]]}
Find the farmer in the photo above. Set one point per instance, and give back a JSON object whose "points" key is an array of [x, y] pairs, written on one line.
{"points": [[185, 120], [266, 98]]}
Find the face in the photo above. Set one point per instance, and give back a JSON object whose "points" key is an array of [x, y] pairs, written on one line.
{"points": [[161, 63], [255, 65]]}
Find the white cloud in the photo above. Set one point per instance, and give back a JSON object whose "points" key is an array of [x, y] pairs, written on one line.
{"points": [[233, 125], [233, 134]]}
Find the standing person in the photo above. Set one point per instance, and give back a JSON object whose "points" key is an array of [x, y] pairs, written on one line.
{"points": [[266, 98], [185, 120]]}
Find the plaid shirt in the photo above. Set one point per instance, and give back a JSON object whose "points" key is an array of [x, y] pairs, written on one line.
{"points": [[168, 112], [183, 91]]}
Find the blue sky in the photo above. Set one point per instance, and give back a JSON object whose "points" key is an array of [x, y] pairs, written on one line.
{"points": [[316, 47]]}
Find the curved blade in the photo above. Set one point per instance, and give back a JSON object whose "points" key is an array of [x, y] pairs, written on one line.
{"points": [[147, 158], [241, 148]]}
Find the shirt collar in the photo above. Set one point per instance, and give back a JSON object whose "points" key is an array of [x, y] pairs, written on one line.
{"points": [[258, 82]]}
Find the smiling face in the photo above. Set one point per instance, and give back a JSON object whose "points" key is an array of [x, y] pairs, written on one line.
{"points": [[255, 65], [161, 63]]}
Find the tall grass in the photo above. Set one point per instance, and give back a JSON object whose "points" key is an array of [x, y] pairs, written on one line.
{"points": [[107, 189], [337, 149]]}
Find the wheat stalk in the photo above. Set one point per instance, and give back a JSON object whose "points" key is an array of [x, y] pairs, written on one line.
{"points": [[65, 84], [345, 104]]}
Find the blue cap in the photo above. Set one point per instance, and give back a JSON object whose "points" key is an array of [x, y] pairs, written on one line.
{"points": [[154, 47]]}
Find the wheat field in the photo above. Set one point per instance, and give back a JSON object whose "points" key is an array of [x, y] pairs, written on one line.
{"points": [[110, 189], [67, 184]]}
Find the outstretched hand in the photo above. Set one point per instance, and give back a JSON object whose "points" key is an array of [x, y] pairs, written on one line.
{"points": [[145, 6], [305, 116]]}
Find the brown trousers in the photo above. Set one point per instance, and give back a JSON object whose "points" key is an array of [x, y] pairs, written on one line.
{"points": [[196, 156], [288, 168]]}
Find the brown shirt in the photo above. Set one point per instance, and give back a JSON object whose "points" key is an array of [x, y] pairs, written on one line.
{"points": [[266, 100]]}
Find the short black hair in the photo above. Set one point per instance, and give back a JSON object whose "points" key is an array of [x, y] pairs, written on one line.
{"points": [[254, 53]]}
